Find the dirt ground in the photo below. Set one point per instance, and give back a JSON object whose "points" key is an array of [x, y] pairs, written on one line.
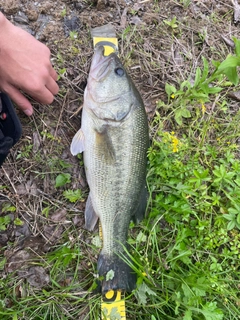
{"points": [[152, 51]]}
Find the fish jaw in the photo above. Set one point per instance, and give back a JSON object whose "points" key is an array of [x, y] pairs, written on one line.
{"points": [[99, 65], [108, 88]]}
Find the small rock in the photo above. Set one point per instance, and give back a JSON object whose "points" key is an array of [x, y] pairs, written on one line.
{"points": [[18, 260], [11, 6], [37, 277], [234, 95], [101, 4], [21, 18], [136, 21], [36, 141], [3, 238], [22, 231], [32, 14], [71, 24]]}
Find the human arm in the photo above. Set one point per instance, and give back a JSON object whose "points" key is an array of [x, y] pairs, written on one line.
{"points": [[25, 66]]}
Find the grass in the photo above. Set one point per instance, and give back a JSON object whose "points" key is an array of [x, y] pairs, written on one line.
{"points": [[186, 252]]}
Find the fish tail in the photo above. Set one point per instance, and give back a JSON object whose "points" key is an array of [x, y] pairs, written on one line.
{"points": [[115, 274]]}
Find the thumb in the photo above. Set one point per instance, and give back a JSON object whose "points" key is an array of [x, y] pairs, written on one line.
{"points": [[21, 101]]}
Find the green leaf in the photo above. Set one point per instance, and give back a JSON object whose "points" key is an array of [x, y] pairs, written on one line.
{"points": [[73, 195], [216, 63], [213, 90], [238, 218], [109, 275], [197, 77], [141, 292], [97, 241], [232, 75], [187, 291], [185, 84], [211, 312], [62, 179], [230, 216], [188, 315], [7, 207], [229, 62], [18, 222], [233, 211], [205, 70], [237, 46], [185, 113], [231, 225], [229, 68], [15, 317], [178, 116], [170, 89], [141, 237], [4, 221]]}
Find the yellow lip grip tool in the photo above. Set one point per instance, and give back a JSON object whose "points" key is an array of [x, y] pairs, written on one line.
{"points": [[105, 36], [113, 303]]}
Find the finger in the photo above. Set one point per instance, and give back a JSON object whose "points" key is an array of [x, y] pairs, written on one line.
{"points": [[53, 74], [21, 101], [44, 96], [52, 86]]}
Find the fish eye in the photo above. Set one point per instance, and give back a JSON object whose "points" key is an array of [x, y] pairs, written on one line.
{"points": [[119, 72]]}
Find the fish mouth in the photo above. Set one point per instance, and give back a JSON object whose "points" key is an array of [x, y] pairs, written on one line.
{"points": [[100, 64]]}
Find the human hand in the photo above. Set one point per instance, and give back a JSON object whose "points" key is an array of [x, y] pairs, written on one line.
{"points": [[25, 66]]}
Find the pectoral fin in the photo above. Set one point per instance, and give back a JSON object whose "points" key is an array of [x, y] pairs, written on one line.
{"points": [[78, 143], [90, 215], [105, 147]]}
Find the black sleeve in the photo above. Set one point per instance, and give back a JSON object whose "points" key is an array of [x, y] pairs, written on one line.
{"points": [[10, 126]]}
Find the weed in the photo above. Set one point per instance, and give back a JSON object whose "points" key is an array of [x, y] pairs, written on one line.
{"points": [[191, 238], [62, 179], [25, 151], [4, 221], [73, 195], [171, 23]]}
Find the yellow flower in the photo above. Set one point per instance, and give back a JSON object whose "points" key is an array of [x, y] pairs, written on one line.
{"points": [[203, 108], [172, 96], [175, 143], [171, 140]]}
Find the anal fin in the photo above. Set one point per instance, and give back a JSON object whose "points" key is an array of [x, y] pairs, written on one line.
{"points": [[140, 210], [91, 217]]}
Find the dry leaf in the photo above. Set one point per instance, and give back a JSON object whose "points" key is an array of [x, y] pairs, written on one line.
{"points": [[59, 215]]}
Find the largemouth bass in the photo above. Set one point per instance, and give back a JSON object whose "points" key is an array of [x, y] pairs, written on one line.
{"points": [[114, 140]]}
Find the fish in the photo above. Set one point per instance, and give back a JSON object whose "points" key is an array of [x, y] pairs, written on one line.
{"points": [[114, 139]]}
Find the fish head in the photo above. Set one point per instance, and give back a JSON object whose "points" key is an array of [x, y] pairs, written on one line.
{"points": [[109, 87]]}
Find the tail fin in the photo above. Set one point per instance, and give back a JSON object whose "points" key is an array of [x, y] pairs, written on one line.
{"points": [[115, 274]]}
